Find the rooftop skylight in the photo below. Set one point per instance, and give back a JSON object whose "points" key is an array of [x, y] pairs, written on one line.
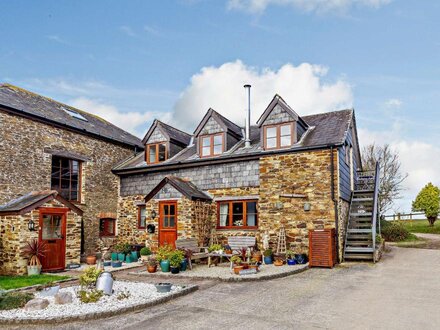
{"points": [[75, 114]]}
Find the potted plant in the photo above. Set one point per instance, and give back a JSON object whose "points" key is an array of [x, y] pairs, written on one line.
{"points": [[145, 252], [35, 250], [162, 257], [236, 260], [268, 256], [186, 256], [227, 249], [215, 248], [134, 254], [119, 249], [176, 257], [290, 255], [301, 257], [278, 262], [254, 264], [126, 250], [151, 265], [257, 255], [114, 254], [91, 259]]}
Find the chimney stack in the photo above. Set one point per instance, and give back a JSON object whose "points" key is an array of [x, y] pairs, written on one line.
{"points": [[247, 140]]}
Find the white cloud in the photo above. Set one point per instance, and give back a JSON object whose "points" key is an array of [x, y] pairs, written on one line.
{"points": [[319, 6], [133, 122], [222, 89], [127, 30], [393, 103]]}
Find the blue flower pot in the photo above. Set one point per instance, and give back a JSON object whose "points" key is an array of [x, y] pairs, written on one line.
{"points": [[134, 256], [301, 258], [183, 265], [114, 256], [165, 266], [268, 260], [121, 256], [291, 262], [128, 259], [116, 264]]}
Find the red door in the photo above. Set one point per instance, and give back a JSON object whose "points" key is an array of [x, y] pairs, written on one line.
{"points": [[53, 233], [167, 223]]}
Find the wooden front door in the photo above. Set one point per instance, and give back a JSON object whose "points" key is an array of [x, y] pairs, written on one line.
{"points": [[168, 223], [53, 233]]}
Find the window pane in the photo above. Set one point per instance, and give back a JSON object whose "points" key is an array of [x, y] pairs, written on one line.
{"points": [[206, 141], [206, 151], [65, 184], [286, 130], [51, 227], [110, 226], [73, 195], [162, 152], [143, 217], [172, 209], [251, 220], [75, 167], [251, 210], [166, 221], [172, 221], [237, 214], [271, 143], [271, 132], [218, 139], [166, 209], [286, 141], [64, 193], [217, 149], [224, 213], [152, 154]]}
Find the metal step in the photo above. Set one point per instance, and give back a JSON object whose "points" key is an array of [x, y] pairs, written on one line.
{"points": [[363, 199], [358, 256], [358, 231], [359, 243], [363, 191], [359, 249], [365, 214]]}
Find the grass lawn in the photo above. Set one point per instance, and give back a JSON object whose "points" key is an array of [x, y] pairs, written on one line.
{"points": [[15, 282], [412, 241], [421, 226]]}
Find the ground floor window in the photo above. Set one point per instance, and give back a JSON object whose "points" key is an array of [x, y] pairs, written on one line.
{"points": [[237, 214], [107, 227], [142, 217]]}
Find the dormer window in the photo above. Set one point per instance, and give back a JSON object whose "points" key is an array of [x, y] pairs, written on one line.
{"points": [[278, 136], [211, 145], [156, 153]]}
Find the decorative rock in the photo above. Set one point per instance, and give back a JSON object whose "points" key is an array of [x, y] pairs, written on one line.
{"points": [[36, 304], [62, 298]]}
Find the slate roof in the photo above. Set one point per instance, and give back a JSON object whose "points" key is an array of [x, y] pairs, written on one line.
{"points": [[185, 187], [32, 200], [324, 129], [173, 133], [23, 102]]}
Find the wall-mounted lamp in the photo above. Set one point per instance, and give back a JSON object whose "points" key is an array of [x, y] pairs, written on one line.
{"points": [[307, 206], [153, 214], [31, 225], [278, 205]]}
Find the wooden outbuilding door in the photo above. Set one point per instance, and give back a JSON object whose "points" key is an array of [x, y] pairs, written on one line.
{"points": [[168, 223], [53, 233]]}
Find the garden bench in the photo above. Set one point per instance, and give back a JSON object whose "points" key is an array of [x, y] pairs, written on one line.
{"points": [[238, 242], [198, 252]]}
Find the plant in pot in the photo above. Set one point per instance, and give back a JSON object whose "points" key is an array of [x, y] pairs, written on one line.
{"points": [[236, 260], [119, 249], [187, 253], [278, 262], [145, 252], [176, 257], [91, 259], [151, 264], [268, 256], [227, 249], [162, 257], [301, 257], [254, 264], [134, 254], [290, 255], [257, 255], [126, 250], [35, 250]]}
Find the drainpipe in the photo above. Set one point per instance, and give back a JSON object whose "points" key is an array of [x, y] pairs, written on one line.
{"points": [[247, 140], [335, 202]]}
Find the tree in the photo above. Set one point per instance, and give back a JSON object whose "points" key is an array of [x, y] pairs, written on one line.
{"points": [[428, 201], [391, 176]]}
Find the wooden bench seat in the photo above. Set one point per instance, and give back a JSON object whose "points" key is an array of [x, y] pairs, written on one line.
{"points": [[238, 242], [198, 252]]}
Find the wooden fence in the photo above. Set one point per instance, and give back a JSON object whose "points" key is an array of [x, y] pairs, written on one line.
{"points": [[405, 216]]}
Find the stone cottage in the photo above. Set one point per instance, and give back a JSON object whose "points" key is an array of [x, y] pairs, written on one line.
{"points": [[288, 170], [55, 170]]}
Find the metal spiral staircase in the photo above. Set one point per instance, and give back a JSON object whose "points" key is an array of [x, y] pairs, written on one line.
{"points": [[360, 239]]}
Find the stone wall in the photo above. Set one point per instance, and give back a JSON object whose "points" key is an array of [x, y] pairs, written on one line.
{"points": [[15, 235], [278, 115], [156, 136], [343, 209], [302, 174], [25, 166]]}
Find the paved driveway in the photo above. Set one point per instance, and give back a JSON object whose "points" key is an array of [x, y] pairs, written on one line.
{"points": [[402, 291]]}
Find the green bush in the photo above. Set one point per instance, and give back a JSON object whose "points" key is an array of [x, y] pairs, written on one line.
{"points": [[176, 257], [163, 252], [89, 276], [89, 296], [394, 232], [13, 300], [145, 251]]}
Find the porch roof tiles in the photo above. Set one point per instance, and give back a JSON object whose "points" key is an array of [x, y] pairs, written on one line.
{"points": [[185, 187]]}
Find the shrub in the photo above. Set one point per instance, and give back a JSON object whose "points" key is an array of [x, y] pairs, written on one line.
{"points": [[214, 247], [163, 252], [394, 232], [89, 276], [428, 201], [13, 300], [89, 296], [145, 251], [268, 253], [176, 257]]}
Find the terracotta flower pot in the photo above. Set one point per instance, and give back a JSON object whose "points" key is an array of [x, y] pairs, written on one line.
{"points": [[237, 269], [278, 263], [91, 260], [258, 257], [152, 269], [253, 267]]}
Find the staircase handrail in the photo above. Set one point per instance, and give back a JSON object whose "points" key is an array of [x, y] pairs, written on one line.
{"points": [[375, 206]]}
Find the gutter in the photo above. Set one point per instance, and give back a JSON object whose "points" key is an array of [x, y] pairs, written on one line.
{"points": [[225, 160], [335, 202]]}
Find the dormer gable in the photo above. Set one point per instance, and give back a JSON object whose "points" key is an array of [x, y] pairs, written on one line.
{"points": [[280, 126], [163, 141], [216, 134]]}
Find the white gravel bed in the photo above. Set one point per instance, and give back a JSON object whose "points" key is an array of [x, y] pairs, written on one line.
{"points": [[222, 271], [140, 293]]}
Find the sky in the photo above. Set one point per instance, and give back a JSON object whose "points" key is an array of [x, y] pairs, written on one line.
{"points": [[133, 61]]}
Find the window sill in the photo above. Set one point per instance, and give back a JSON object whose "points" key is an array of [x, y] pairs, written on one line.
{"points": [[237, 229]]}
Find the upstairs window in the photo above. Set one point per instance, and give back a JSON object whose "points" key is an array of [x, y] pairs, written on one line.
{"points": [[65, 178], [156, 153], [211, 145], [278, 136]]}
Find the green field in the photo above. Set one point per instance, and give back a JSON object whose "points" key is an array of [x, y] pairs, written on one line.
{"points": [[421, 226], [15, 282]]}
